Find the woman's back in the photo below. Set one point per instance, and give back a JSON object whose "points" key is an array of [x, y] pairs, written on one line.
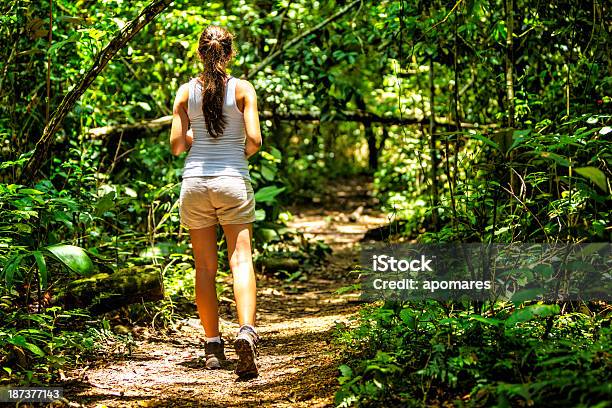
{"points": [[223, 155]]}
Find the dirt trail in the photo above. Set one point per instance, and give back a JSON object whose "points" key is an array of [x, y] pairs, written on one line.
{"points": [[298, 362]]}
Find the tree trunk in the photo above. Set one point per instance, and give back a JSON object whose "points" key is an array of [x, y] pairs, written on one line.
{"points": [[510, 89], [372, 148], [104, 292], [370, 135], [452, 176], [432, 148], [510, 63]]}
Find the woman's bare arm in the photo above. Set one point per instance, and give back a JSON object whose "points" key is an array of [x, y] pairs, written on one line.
{"points": [[251, 120], [180, 140]]}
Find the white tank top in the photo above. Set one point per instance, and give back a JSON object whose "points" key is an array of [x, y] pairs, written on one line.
{"points": [[221, 156]]}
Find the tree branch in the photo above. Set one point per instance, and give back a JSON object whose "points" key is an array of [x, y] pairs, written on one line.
{"points": [[279, 32], [445, 18]]}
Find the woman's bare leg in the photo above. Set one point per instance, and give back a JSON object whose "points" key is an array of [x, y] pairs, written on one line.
{"points": [[240, 256], [204, 243]]}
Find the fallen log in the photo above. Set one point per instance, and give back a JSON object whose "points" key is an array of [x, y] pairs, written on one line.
{"points": [[274, 264], [104, 292]]}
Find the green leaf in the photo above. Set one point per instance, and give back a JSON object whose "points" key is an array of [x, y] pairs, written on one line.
{"points": [[96, 34], [526, 294], [557, 158], [293, 276], [11, 267], [501, 230], [518, 137], [590, 249], [268, 172], [531, 312], [268, 234], [260, 214], [23, 228], [347, 289], [267, 194], [473, 7], [105, 203], [21, 341], [486, 320], [30, 191], [105, 325], [346, 371], [595, 175], [543, 270], [144, 105], [74, 257], [42, 268], [407, 316], [276, 153], [57, 45], [556, 360], [273, 157], [486, 140]]}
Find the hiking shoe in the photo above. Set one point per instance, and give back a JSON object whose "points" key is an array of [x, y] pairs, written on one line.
{"points": [[214, 354], [246, 349]]}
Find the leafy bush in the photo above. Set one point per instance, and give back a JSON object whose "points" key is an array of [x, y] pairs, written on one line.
{"points": [[35, 347], [429, 353]]}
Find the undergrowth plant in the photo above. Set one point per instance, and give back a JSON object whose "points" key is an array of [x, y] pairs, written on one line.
{"points": [[423, 354]]}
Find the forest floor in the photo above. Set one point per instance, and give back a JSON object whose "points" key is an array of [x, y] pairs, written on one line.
{"points": [[298, 360]]}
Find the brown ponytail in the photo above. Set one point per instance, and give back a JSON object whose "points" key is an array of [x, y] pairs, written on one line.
{"points": [[215, 50]]}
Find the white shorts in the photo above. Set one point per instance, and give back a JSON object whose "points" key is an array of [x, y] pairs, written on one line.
{"points": [[210, 200]]}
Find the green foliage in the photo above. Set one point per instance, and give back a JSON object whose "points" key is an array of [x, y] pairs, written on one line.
{"points": [[32, 217], [34, 346], [426, 353], [112, 201], [542, 187], [73, 257]]}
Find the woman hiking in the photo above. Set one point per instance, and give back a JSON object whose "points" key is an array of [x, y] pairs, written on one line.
{"points": [[221, 112]]}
